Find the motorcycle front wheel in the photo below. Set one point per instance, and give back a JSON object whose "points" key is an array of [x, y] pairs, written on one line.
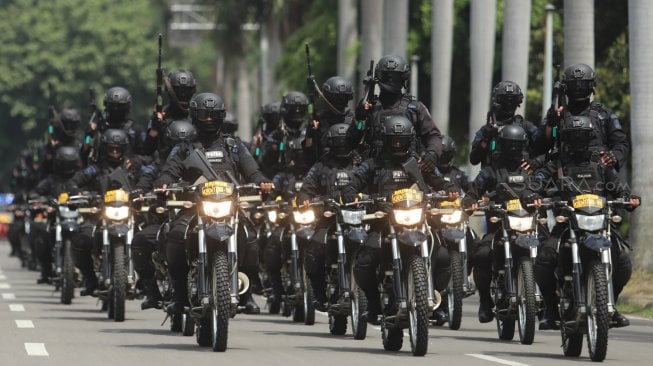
{"points": [[598, 317], [67, 274], [221, 297], [418, 305], [526, 305], [119, 283], [455, 293]]}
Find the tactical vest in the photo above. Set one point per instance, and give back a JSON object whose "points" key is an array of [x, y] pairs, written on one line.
{"points": [[223, 155], [587, 177], [517, 181], [388, 180], [336, 179]]}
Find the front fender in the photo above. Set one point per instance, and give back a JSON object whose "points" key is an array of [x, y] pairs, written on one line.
{"points": [[118, 229], [527, 241], [305, 232], [357, 235], [596, 242], [219, 231], [413, 238], [69, 226], [452, 235]]}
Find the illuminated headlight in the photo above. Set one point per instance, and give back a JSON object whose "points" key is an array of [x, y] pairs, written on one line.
{"points": [[217, 210], [452, 218], [304, 217], [590, 223], [116, 213], [67, 213], [272, 216], [520, 223], [353, 217], [408, 217]]}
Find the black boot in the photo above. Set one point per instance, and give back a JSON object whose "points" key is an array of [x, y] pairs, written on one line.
{"points": [[153, 298], [371, 315], [251, 307], [550, 319], [619, 320], [179, 296], [90, 285]]}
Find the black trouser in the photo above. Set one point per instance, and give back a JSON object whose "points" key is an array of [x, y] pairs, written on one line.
{"points": [[177, 242], [13, 235], [547, 262], [481, 259], [276, 252], [144, 244], [366, 264], [84, 246], [43, 242]]}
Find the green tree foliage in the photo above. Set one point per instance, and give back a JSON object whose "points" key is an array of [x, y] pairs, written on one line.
{"points": [[74, 44]]}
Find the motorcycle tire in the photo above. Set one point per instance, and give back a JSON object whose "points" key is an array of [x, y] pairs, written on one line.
{"points": [[598, 317], [119, 281], [309, 307], [455, 293], [418, 305], [221, 301], [67, 274], [526, 303], [358, 307]]}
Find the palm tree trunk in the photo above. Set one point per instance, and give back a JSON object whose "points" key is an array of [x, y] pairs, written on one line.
{"points": [[640, 13], [347, 37], [244, 101], [441, 56], [371, 34], [516, 36], [579, 32], [395, 32], [481, 42]]}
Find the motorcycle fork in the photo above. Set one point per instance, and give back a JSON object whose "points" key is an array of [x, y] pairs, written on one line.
{"points": [[232, 258], [58, 248], [202, 266], [297, 278], [399, 288], [131, 273], [533, 256], [462, 249], [507, 267], [576, 272], [606, 260], [106, 250], [425, 252], [343, 278]]}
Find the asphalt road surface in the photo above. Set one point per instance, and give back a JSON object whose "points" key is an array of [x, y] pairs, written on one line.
{"points": [[36, 329]]}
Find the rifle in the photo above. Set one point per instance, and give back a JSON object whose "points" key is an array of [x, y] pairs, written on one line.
{"points": [[91, 137], [557, 102], [311, 84], [159, 80], [53, 116]]}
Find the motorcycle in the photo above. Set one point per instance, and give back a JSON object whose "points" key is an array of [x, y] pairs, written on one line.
{"points": [[453, 232], [585, 273], [513, 286], [214, 281]]}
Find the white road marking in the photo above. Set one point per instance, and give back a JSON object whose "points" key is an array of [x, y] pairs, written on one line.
{"points": [[496, 359], [16, 307], [4, 286], [8, 296], [24, 324], [36, 349]]}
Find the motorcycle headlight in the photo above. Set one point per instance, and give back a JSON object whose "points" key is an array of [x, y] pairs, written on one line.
{"points": [[116, 213], [216, 210], [272, 216], [67, 213], [452, 218], [408, 217], [353, 217], [520, 223], [304, 217], [590, 223]]}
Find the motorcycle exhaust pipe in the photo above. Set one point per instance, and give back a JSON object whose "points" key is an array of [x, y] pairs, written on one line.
{"points": [[243, 283], [437, 299]]}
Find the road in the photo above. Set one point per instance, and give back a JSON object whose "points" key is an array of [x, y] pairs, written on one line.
{"points": [[35, 329]]}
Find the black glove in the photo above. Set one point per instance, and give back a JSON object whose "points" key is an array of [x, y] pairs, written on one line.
{"points": [[349, 195], [429, 161], [532, 197], [467, 202], [608, 158], [552, 117], [489, 132]]}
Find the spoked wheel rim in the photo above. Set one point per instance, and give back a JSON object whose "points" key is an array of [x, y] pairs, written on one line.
{"points": [[521, 302], [450, 297], [412, 307], [355, 311], [592, 328]]}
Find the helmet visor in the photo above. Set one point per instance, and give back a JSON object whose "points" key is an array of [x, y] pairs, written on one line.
{"points": [[399, 144], [580, 88], [213, 114]]}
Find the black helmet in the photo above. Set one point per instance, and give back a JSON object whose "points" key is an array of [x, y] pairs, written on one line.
{"points": [[578, 82], [336, 140], [577, 132], [392, 72], [179, 131], [294, 106], [448, 152], [512, 141], [506, 97], [398, 134], [207, 113], [117, 103], [338, 91], [271, 114], [114, 145], [184, 86], [66, 161], [230, 124], [70, 121]]}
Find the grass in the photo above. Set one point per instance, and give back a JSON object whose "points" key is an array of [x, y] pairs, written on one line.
{"points": [[637, 296]]}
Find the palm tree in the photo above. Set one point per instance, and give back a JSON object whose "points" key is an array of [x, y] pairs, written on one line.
{"points": [[481, 42], [347, 37], [641, 81], [579, 32], [441, 51], [395, 31], [371, 34], [516, 35]]}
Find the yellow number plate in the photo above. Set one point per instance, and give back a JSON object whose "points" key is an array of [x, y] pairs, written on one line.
{"points": [[455, 203], [216, 187], [587, 200], [117, 195], [406, 194], [513, 205], [63, 197]]}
